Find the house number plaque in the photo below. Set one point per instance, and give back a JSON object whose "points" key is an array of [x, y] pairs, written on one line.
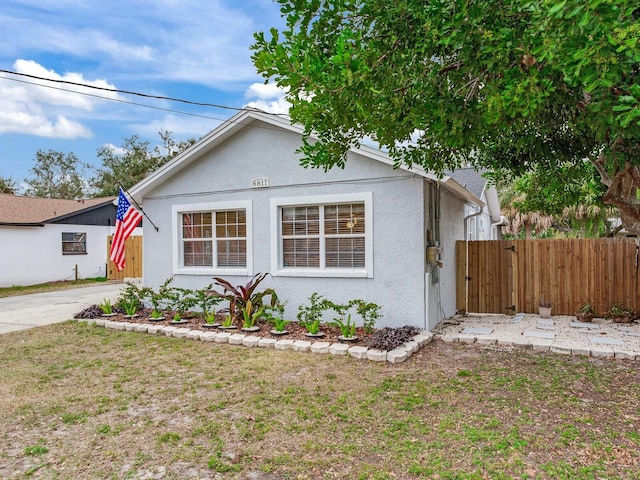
{"points": [[260, 182]]}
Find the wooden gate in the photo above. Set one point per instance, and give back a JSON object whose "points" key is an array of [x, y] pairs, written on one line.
{"points": [[132, 258], [507, 276], [485, 283]]}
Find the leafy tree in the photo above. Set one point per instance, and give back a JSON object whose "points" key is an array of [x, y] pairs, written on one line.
{"points": [[137, 161], [7, 185], [511, 84], [572, 206], [56, 175]]}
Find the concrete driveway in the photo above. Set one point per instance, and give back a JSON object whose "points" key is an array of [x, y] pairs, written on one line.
{"points": [[36, 309]]}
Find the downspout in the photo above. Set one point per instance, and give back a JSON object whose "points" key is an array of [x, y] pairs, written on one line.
{"points": [[494, 227], [466, 273]]}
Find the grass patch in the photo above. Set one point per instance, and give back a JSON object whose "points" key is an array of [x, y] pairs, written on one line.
{"points": [[149, 404], [48, 287]]}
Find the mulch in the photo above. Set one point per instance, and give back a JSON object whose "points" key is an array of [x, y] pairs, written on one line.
{"points": [[294, 330]]}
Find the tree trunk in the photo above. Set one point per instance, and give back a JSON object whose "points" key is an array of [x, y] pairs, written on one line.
{"points": [[623, 194]]}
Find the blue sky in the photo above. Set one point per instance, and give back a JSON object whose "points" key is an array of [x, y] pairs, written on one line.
{"points": [[192, 49]]}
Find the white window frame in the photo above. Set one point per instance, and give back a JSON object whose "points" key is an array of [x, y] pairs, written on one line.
{"points": [[176, 234], [277, 268]]}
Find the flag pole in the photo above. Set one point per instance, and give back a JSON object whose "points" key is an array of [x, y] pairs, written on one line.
{"points": [[139, 207]]}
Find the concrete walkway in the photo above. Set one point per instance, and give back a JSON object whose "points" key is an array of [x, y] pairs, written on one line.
{"points": [[27, 311], [559, 334]]}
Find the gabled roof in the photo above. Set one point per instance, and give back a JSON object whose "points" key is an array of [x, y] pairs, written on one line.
{"points": [[473, 181], [470, 179], [32, 211], [245, 118]]}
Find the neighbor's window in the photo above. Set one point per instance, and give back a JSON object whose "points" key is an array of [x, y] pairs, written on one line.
{"points": [[329, 238], [74, 243], [213, 238]]}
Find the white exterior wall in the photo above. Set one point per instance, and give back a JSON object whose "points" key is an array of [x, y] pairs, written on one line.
{"points": [[33, 255], [225, 175], [480, 227], [441, 296]]}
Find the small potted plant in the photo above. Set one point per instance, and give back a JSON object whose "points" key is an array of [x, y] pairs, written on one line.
{"points": [[586, 313], [275, 315], [157, 300], [618, 313], [182, 300], [207, 304], [227, 323], [544, 308], [107, 308], [210, 320], [344, 322], [156, 315], [309, 316], [129, 300], [130, 308], [251, 317]]}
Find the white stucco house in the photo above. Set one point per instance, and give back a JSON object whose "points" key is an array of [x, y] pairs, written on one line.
{"points": [[238, 203], [45, 240], [482, 223]]}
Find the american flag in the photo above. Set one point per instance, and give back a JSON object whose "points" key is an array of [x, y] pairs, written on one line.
{"points": [[127, 217]]}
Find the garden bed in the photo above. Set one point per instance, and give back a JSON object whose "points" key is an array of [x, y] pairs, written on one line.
{"points": [[294, 330]]}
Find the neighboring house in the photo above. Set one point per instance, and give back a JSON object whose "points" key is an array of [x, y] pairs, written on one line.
{"points": [[485, 223], [44, 240], [238, 202]]}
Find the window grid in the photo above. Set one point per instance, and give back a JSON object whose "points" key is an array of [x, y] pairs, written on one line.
{"points": [[231, 226], [340, 244], [226, 243]]}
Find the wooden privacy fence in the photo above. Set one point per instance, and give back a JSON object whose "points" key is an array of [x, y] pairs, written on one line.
{"points": [[132, 258], [508, 276]]}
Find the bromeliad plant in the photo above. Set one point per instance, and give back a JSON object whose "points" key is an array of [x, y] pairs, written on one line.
{"points": [[244, 299]]}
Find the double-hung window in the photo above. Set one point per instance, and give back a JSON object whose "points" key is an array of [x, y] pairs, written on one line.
{"points": [[329, 235], [213, 238]]}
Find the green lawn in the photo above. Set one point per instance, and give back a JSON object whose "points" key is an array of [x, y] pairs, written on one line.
{"points": [[47, 287], [83, 402]]}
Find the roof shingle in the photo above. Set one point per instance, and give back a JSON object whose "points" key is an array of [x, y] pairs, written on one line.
{"points": [[17, 209]]}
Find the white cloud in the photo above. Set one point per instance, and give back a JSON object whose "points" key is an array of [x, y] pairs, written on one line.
{"points": [[116, 150], [269, 98], [200, 41], [61, 93], [264, 91], [29, 106]]}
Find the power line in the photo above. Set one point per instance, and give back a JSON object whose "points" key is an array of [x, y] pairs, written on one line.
{"points": [[127, 92], [127, 102], [115, 99]]}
